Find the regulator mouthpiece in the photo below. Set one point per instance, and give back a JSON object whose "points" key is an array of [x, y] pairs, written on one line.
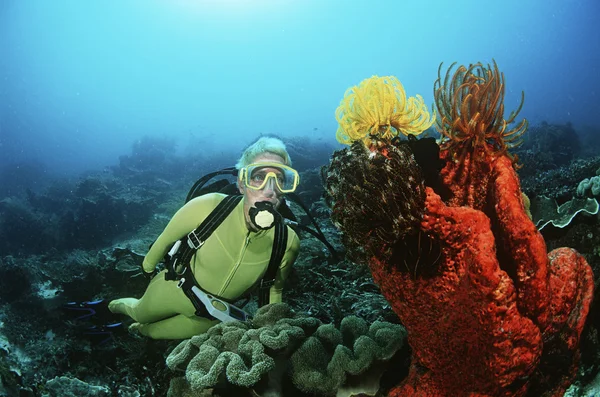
{"points": [[263, 215]]}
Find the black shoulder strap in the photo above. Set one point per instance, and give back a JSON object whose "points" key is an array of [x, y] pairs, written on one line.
{"points": [[194, 239], [279, 246], [212, 221]]}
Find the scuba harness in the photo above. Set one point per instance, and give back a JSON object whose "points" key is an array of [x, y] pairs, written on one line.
{"points": [[263, 215], [226, 187], [229, 188]]}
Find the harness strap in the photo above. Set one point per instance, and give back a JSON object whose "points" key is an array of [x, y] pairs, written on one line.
{"points": [[186, 282], [279, 247], [198, 236]]}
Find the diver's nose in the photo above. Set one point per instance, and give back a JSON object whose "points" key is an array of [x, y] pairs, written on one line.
{"points": [[269, 189]]}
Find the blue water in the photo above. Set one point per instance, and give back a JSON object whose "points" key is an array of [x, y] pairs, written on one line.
{"points": [[81, 81]]}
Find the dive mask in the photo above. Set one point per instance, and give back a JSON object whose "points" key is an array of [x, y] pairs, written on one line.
{"points": [[256, 176], [263, 215]]}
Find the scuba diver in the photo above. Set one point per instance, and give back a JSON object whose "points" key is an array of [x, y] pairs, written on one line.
{"points": [[217, 248]]}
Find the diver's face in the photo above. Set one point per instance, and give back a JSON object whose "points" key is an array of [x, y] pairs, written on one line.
{"points": [[269, 193]]}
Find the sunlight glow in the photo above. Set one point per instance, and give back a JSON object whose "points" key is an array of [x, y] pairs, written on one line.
{"points": [[228, 6]]}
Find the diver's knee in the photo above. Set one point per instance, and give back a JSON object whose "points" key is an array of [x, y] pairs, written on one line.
{"points": [[153, 331], [142, 329]]}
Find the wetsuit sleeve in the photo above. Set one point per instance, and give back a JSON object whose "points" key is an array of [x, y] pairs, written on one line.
{"points": [[276, 291], [184, 221]]}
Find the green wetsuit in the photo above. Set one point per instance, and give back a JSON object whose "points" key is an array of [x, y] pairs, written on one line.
{"points": [[230, 262]]}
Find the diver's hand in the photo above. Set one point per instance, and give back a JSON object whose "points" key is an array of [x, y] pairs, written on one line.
{"points": [[149, 275]]}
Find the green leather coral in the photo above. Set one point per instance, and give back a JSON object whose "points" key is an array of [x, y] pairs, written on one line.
{"points": [[242, 354], [324, 361], [235, 352], [223, 354], [589, 187]]}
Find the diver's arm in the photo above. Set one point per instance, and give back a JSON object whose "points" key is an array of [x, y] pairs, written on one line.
{"points": [[276, 291], [186, 219]]}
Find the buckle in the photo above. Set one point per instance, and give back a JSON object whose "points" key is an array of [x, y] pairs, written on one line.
{"points": [[180, 282], [193, 240], [267, 283]]}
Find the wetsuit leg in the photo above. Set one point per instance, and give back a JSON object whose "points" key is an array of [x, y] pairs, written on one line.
{"points": [[177, 327], [161, 300]]}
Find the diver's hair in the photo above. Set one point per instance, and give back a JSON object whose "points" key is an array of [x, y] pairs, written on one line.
{"points": [[265, 144]]}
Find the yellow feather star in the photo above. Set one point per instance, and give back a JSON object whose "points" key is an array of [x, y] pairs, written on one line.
{"points": [[379, 108]]}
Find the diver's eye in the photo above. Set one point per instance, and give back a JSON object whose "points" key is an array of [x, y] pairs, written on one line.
{"points": [[258, 178]]}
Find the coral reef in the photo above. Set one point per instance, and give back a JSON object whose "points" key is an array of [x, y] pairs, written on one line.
{"points": [[546, 147], [258, 355], [15, 282], [326, 360], [589, 187], [559, 183], [44, 273], [11, 382], [66, 387], [494, 315], [39, 343], [545, 211], [92, 213]]}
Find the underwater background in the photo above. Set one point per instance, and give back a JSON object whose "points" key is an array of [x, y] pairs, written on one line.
{"points": [[111, 110]]}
